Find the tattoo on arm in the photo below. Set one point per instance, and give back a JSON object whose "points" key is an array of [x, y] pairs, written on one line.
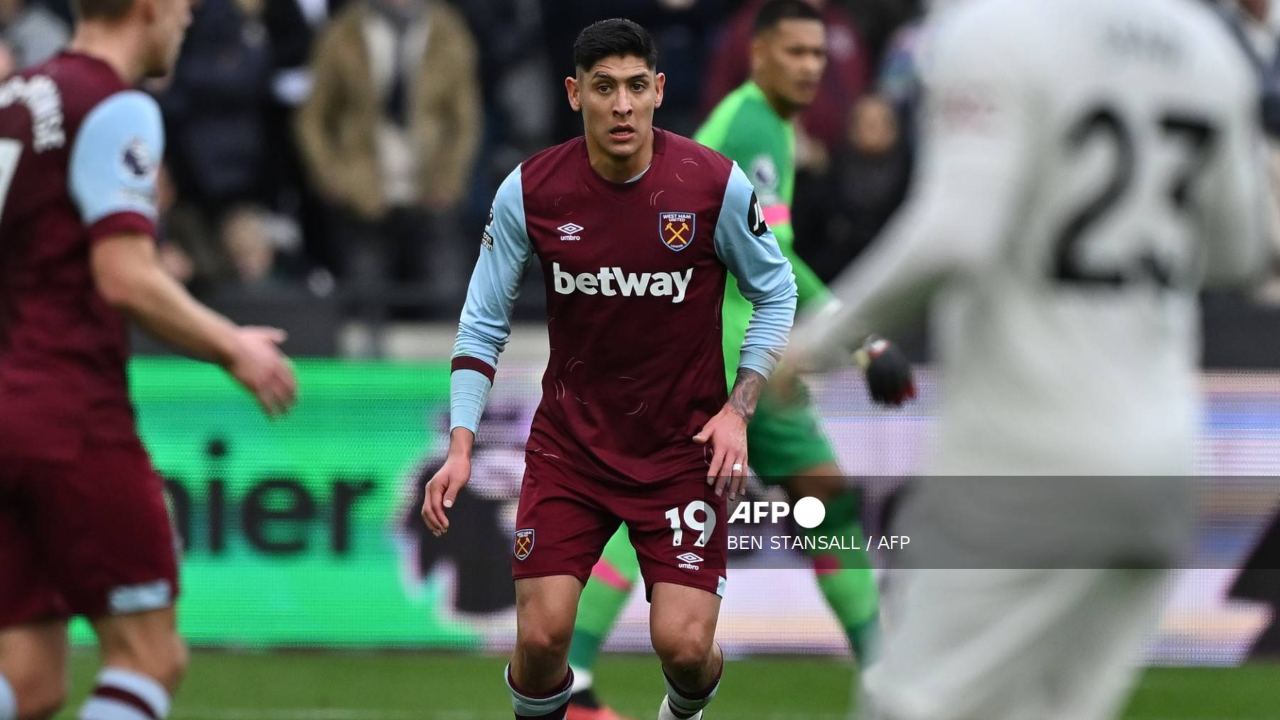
{"points": [[746, 392]]}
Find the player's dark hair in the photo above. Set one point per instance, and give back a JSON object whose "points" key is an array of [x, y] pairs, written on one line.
{"points": [[774, 12], [101, 9], [607, 38]]}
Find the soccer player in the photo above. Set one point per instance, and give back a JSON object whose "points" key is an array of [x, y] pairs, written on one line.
{"points": [[754, 127], [1088, 166], [636, 230], [83, 525]]}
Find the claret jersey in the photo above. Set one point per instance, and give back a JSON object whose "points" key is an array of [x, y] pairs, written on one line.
{"points": [[79, 152], [635, 276]]}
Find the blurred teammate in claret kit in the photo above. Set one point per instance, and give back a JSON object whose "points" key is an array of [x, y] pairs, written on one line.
{"points": [[1088, 166], [83, 524], [636, 230]]}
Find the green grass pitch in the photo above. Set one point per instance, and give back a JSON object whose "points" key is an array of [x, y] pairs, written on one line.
{"points": [[407, 686]]}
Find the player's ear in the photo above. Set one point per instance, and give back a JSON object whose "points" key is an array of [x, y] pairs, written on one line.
{"points": [[571, 89], [659, 83], [757, 53]]}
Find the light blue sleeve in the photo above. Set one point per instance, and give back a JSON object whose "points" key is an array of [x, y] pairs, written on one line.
{"points": [[116, 156], [485, 325], [747, 247]]}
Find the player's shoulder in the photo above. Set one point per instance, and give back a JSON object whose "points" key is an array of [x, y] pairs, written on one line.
{"points": [[125, 128], [1220, 53], [743, 111], [565, 151], [746, 102], [691, 153], [552, 163], [82, 83], [1041, 38], [985, 28]]}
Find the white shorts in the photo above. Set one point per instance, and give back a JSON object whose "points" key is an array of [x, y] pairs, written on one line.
{"points": [[1002, 644]]}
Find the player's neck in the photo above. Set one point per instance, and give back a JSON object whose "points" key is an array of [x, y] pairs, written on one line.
{"points": [[784, 109], [617, 170], [110, 45]]}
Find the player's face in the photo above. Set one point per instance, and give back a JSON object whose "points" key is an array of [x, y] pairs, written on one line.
{"points": [[617, 98], [788, 61], [169, 21]]}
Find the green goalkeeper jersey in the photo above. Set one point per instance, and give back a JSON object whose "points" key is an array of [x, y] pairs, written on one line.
{"points": [[746, 128]]}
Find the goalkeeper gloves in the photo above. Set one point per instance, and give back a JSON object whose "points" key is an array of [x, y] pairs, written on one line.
{"points": [[888, 372]]}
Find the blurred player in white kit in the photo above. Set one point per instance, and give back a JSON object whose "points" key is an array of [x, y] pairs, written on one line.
{"points": [[1088, 167]]}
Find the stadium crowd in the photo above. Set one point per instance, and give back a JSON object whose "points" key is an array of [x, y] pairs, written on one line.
{"points": [[349, 148]]}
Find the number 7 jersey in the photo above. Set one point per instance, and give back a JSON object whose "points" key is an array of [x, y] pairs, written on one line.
{"points": [[79, 153]]}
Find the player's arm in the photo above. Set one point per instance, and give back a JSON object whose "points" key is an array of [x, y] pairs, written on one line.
{"points": [[748, 249], [974, 167], [111, 178], [1239, 218], [483, 330], [739, 139], [811, 291], [129, 277]]}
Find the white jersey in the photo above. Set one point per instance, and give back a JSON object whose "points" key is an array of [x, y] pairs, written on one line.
{"points": [[1088, 166]]}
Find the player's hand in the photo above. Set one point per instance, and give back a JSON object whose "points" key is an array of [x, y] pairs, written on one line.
{"points": [[258, 365], [442, 490], [727, 435], [888, 372]]}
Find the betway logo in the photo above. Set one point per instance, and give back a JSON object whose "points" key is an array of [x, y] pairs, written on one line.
{"points": [[611, 281]]}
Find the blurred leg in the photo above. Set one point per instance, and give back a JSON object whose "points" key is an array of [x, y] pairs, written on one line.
{"points": [[970, 644], [33, 670], [1100, 645], [844, 575], [143, 661]]}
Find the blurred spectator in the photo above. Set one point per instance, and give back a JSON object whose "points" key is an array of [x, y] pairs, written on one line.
{"points": [[292, 26], [868, 182], [1256, 24], [31, 32], [187, 248], [878, 20], [247, 242], [847, 76], [213, 106], [683, 30], [389, 135], [8, 60], [510, 62], [899, 80]]}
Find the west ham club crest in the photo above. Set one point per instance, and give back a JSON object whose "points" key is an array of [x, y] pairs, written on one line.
{"points": [[676, 229], [523, 543]]}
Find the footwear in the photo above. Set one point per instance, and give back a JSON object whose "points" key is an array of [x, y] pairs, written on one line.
{"points": [[664, 712], [577, 712]]}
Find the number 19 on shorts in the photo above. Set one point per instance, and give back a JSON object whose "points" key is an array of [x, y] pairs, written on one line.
{"points": [[704, 526]]}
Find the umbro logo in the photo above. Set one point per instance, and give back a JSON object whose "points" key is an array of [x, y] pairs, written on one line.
{"points": [[570, 232], [689, 561]]}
